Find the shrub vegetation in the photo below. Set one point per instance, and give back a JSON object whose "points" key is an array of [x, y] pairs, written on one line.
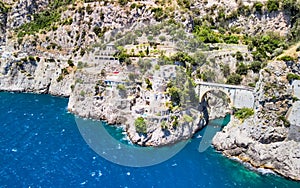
{"points": [[140, 125], [244, 113]]}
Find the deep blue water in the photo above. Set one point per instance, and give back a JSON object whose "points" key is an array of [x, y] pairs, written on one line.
{"points": [[41, 146]]}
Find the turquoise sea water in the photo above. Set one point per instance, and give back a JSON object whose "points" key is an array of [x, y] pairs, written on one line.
{"points": [[41, 146]]}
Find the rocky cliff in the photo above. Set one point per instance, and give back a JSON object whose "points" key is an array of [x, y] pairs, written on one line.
{"points": [[42, 39], [263, 140], [119, 102], [73, 25], [30, 75]]}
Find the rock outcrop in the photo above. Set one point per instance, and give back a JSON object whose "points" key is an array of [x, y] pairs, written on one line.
{"points": [[119, 102], [82, 24], [268, 139], [27, 75], [218, 104], [23, 11], [3, 22]]}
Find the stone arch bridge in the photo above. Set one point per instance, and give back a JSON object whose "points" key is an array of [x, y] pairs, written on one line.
{"points": [[240, 96]]}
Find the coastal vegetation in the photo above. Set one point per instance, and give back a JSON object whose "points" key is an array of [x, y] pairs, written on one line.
{"points": [[163, 49], [234, 79], [44, 20], [290, 77], [243, 113], [4, 8], [140, 125]]}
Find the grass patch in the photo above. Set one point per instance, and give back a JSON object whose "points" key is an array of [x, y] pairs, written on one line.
{"points": [[292, 77], [244, 113]]}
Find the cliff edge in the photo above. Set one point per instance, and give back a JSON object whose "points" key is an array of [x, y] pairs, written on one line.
{"points": [[267, 139]]}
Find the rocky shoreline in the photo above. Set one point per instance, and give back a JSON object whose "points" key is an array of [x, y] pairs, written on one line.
{"points": [[235, 141], [270, 144], [41, 61], [267, 140]]}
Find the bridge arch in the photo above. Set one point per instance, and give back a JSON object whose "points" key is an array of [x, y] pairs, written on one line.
{"points": [[240, 96], [224, 91]]}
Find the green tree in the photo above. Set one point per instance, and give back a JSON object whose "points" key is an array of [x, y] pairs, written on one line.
{"points": [[272, 5], [292, 77], [206, 35], [183, 58], [199, 58], [149, 84], [147, 51], [158, 13], [121, 54], [162, 38], [242, 69], [234, 79], [175, 95], [123, 2], [255, 66], [239, 56], [286, 58], [226, 70], [140, 125], [89, 9], [208, 75], [258, 7]]}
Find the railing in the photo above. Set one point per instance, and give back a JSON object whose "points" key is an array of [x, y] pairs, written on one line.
{"points": [[198, 82]]}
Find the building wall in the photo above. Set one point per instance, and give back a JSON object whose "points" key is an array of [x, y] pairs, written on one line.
{"points": [[296, 88], [239, 98], [243, 98]]}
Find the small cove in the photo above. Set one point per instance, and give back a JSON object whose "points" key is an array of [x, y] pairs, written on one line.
{"points": [[41, 145]]}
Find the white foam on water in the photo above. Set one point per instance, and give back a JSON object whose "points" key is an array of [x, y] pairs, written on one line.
{"points": [[265, 171], [119, 146], [250, 167], [175, 164]]}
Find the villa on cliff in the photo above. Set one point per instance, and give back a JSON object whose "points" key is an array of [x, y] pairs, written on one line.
{"points": [[105, 55]]}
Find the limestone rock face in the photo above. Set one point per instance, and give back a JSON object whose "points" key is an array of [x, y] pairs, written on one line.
{"points": [[267, 140], [33, 76], [236, 141], [254, 22], [23, 10], [3, 20], [259, 23], [109, 15], [94, 96], [218, 104]]}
